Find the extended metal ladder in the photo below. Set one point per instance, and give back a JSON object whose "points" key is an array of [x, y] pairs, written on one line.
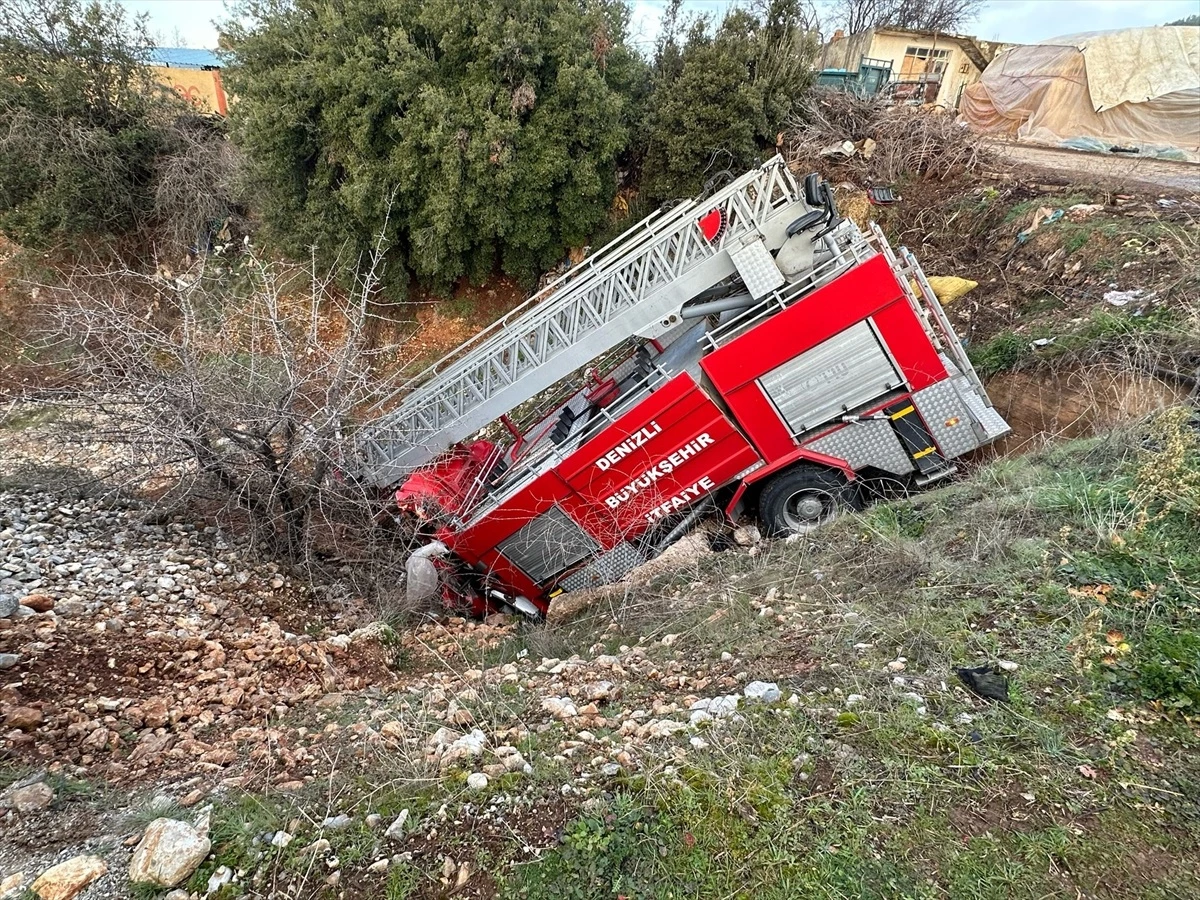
{"points": [[633, 286]]}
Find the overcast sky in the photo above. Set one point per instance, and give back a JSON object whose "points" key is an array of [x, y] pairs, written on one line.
{"points": [[190, 23]]}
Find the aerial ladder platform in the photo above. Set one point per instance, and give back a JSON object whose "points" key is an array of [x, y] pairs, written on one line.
{"points": [[635, 286]]}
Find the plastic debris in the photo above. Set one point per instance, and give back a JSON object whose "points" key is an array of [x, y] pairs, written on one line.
{"points": [[986, 681], [1044, 216], [1120, 298], [948, 288], [845, 150]]}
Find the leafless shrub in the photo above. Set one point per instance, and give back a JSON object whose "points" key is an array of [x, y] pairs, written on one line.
{"points": [[196, 185], [236, 385], [907, 140]]}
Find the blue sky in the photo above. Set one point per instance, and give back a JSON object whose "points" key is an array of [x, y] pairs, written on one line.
{"points": [[190, 23]]}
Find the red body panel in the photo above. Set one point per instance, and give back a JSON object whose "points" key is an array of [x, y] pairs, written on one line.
{"points": [[666, 453], [444, 485], [867, 291]]}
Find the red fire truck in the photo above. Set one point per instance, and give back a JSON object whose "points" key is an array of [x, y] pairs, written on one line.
{"points": [[748, 353]]}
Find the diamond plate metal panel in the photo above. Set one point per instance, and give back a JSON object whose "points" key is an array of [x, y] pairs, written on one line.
{"points": [[757, 268], [940, 404], [612, 566], [871, 442], [548, 544], [838, 374], [993, 423]]}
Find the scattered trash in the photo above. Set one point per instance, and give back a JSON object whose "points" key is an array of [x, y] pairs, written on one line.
{"points": [[845, 150], [882, 196], [1120, 298], [867, 148], [986, 681], [1083, 210], [1044, 216], [1040, 342], [1167, 203], [948, 288]]}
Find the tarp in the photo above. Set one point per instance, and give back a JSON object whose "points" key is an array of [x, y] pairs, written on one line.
{"points": [[1135, 88]]}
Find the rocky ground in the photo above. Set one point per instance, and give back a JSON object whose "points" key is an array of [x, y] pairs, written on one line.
{"points": [[153, 666]]}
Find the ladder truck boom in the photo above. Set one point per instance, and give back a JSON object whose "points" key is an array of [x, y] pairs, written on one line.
{"points": [[749, 352], [634, 286]]}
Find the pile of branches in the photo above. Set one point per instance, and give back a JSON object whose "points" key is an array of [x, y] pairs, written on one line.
{"points": [[889, 141]]}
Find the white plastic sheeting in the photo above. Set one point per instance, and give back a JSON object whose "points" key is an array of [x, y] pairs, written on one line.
{"points": [[1137, 88]]}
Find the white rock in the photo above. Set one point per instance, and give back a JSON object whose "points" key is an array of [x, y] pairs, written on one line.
{"points": [[395, 831], [219, 879], [339, 822], [11, 886], [32, 797], [281, 839], [168, 853], [698, 743], [661, 728], [855, 699], [747, 535], [463, 748], [515, 762], [717, 707], [380, 865], [1008, 666], [560, 707], [669, 640], [477, 781], [763, 691], [599, 690]]}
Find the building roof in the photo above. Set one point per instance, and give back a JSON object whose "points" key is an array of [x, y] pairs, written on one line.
{"points": [[967, 42], [184, 58]]}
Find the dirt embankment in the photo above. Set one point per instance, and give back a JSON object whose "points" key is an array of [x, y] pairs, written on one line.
{"points": [[1050, 406]]}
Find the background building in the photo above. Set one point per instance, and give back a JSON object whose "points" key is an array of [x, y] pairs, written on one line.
{"points": [[193, 74]]}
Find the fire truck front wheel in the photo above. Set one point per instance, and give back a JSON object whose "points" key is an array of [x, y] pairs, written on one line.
{"points": [[802, 499]]}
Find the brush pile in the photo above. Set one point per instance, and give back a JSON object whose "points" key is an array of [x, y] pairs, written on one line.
{"points": [[867, 140]]}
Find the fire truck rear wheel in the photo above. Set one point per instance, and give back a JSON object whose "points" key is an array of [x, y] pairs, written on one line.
{"points": [[802, 499]]}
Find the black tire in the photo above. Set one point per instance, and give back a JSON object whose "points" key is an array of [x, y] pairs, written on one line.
{"points": [[803, 499]]}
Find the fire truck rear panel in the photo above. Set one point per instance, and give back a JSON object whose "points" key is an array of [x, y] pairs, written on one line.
{"points": [[853, 341]]}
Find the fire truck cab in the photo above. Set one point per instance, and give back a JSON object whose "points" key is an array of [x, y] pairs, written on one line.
{"points": [[751, 352]]}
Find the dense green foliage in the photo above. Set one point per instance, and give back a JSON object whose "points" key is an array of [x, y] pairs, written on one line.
{"points": [[77, 134], [720, 97], [482, 134]]}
